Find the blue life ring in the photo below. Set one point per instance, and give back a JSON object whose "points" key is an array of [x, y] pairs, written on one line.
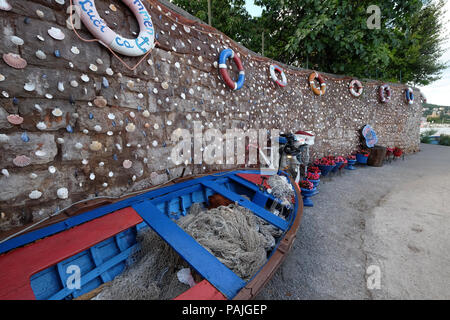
{"points": [[409, 95], [224, 56]]}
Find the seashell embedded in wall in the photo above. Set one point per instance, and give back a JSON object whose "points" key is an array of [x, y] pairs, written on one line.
{"points": [[14, 119], [21, 161], [62, 193], [5, 6], [127, 164], [14, 60], [56, 33]]}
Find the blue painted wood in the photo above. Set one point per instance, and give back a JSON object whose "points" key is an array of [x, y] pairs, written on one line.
{"points": [[260, 212], [198, 257], [95, 273]]}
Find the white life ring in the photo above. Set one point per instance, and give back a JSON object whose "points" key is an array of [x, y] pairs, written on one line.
{"points": [[273, 68], [128, 47], [355, 84]]}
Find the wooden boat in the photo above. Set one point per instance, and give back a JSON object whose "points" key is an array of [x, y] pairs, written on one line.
{"points": [[34, 265]]}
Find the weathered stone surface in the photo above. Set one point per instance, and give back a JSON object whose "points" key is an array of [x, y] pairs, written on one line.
{"points": [[38, 142]]}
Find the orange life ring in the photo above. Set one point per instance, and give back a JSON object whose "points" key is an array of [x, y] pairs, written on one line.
{"points": [[323, 86]]}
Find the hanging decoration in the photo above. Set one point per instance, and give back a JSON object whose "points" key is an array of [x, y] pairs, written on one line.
{"points": [[385, 93], [355, 87], [224, 55], [283, 81], [323, 86], [128, 47], [409, 95]]}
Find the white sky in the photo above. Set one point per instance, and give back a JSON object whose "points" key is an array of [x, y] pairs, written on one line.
{"points": [[437, 92]]}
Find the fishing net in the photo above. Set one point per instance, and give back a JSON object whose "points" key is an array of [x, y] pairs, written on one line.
{"points": [[233, 234], [281, 188]]}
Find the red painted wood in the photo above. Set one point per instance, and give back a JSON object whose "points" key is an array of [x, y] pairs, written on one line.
{"points": [[202, 291], [254, 178], [17, 266]]}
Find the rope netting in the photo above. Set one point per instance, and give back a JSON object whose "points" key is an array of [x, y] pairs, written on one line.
{"points": [[233, 234]]}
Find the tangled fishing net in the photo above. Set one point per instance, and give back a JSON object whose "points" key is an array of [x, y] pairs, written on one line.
{"points": [[233, 234], [281, 188]]}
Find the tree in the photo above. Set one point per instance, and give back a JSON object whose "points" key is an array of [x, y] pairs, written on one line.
{"points": [[228, 16]]}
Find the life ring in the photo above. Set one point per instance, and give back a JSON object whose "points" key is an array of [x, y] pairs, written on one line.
{"points": [[409, 95], [224, 55], [355, 84], [385, 93], [283, 81], [100, 30], [323, 86]]}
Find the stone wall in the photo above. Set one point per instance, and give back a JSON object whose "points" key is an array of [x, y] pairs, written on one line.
{"points": [[175, 85]]}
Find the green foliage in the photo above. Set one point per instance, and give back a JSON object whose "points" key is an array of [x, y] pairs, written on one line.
{"points": [[444, 140], [425, 137]]}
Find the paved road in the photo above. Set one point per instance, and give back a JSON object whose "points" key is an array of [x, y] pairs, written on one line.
{"points": [[394, 219]]}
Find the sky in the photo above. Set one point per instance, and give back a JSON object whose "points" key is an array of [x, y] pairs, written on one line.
{"points": [[436, 93]]}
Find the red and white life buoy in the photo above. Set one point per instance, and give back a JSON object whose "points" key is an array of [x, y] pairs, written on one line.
{"points": [[384, 93], [355, 87], [283, 81], [129, 47]]}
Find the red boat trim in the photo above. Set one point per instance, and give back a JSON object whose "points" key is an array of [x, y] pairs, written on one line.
{"points": [[29, 260], [202, 291]]}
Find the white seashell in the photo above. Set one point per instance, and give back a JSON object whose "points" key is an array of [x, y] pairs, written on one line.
{"points": [[40, 37], [40, 153], [78, 145], [85, 77], [41, 55], [16, 40], [5, 172], [3, 137], [104, 184], [130, 84], [101, 164], [93, 67], [57, 112], [38, 107], [33, 175], [130, 127], [39, 13], [98, 128], [111, 116], [109, 72], [35, 194], [61, 2], [29, 86], [62, 193], [2, 77], [92, 176], [48, 96], [99, 61], [71, 65], [60, 86], [132, 114], [74, 83], [41, 125], [75, 50], [140, 95], [155, 143], [110, 174], [5, 6], [5, 94], [85, 131], [109, 133], [84, 161], [156, 126], [60, 140], [56, 33], [52, 169], [146, 113]]}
